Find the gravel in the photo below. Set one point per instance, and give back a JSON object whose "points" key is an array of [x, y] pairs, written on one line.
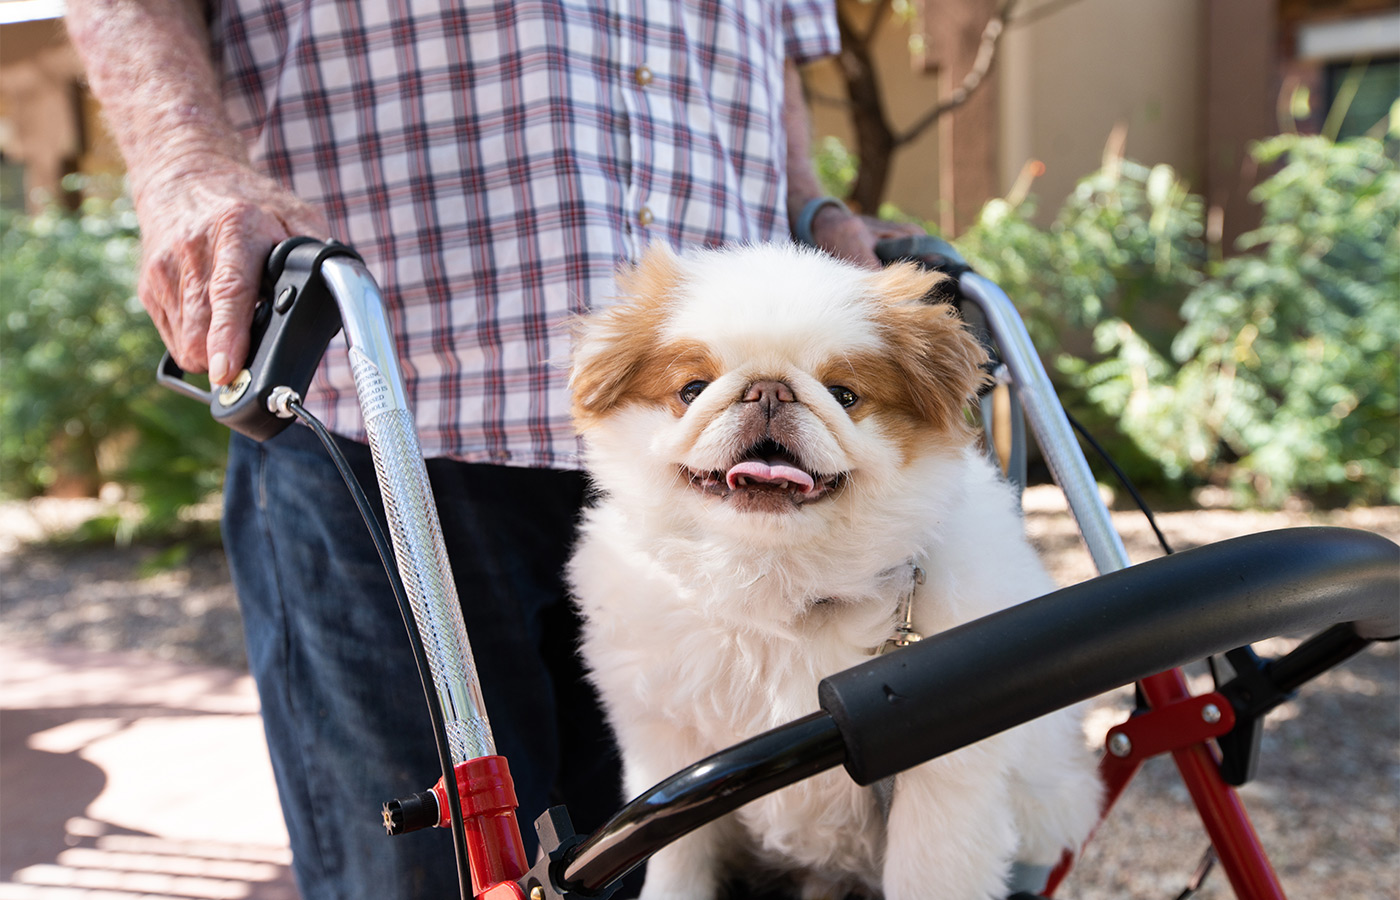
{"points": [[1326, 801], [178, 607]]}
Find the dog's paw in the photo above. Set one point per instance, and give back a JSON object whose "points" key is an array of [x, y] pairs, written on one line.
{"points": [[951, 829], [686, 870], [1057, 792], [655, 890]]}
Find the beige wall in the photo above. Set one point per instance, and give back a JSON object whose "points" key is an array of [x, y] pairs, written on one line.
{"points": [[39, 104], [1070, 77], [1066, 78], [49, 123]]}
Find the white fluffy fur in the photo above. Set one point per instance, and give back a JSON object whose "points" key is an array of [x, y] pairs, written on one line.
{"points": [[701, 625]]}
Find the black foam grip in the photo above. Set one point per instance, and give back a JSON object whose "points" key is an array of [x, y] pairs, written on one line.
{"points": [[960, 686]]}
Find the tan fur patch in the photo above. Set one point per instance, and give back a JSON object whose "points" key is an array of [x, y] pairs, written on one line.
{"points": [[620, 355], [904, 282], [930, 371], [655, 277]]}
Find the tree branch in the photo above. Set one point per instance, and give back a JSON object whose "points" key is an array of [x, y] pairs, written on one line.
{"points": [[981, 65]]}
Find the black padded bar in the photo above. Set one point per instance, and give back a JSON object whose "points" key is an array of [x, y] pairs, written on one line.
{"points": [[970, 682]]}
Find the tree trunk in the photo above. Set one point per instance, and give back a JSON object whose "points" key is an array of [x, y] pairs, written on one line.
{"points": [[875, 138]]}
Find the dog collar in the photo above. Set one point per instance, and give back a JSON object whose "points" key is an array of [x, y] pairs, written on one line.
{"points": [[904, 633]]}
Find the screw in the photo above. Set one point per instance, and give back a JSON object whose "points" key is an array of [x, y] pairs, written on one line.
{"points": [[536, 893], [1211, 713], [232, 392], [1119, 744]]}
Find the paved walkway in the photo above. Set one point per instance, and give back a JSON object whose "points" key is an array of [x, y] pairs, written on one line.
{"points": [[125, 777]]}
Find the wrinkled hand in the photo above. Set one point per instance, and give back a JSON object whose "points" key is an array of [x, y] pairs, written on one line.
{"points": [[842, 233], [205, 236]]}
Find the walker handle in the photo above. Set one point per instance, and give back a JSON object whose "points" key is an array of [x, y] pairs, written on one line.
{"points": [[293, 323]]}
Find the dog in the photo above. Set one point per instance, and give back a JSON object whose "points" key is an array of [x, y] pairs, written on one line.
{"points": [[785, 471]]}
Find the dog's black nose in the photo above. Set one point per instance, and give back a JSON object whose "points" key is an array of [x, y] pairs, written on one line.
{"points": [[768, 394]]}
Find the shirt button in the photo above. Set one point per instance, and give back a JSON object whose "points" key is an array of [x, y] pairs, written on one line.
{"points": [[642, 75], [644, 216]]}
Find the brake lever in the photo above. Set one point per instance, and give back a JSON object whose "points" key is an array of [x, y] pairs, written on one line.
{"points": [[293, 323]]}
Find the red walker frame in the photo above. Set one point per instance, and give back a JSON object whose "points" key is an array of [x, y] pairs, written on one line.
{"points": [[1183, 725]]}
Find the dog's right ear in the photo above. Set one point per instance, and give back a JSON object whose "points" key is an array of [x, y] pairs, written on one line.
{"points": [[616, 349]]}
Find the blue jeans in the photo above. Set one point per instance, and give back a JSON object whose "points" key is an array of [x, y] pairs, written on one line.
{"points": [[341, 700]]}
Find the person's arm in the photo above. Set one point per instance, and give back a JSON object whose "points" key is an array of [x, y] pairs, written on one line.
{"points": [[835, 228], [207, 218]]}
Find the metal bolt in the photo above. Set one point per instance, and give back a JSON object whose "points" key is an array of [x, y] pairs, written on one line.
{"points": [[536, 893], [1119, 744], [280, 399], [1210, 713]]}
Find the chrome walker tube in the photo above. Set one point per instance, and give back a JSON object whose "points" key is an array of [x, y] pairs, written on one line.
{"points": [[414, 528], [1048, 422]]}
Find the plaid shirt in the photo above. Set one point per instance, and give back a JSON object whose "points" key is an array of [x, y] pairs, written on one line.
{"points": [[493, 162]]}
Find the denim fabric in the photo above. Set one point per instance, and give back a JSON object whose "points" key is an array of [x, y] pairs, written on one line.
{"points": [[344, 713]]}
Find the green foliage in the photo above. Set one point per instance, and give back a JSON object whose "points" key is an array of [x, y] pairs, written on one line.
{"points": [[1290, 351], [1128, 243], [1274, 371], [78, 358], [836, 166]]}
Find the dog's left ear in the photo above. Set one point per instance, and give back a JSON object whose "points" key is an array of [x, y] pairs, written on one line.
{"points": [[615, 347], [940, 362]]}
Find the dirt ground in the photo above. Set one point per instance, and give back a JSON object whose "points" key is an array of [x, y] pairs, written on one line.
{"points": [[1326, 802]]}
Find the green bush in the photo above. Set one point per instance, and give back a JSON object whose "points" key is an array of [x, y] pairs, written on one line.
{"points": [[1127, 245], [1273, 371], [1284, 376], [78, 355]]}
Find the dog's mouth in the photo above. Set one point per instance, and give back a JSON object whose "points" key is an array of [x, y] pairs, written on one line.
{"points": [[766, 476]]}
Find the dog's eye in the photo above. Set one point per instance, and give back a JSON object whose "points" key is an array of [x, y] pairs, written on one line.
{"points": [[692, 390], [844, 395]]}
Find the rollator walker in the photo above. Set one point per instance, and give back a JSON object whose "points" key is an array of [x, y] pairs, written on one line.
{"points": [[1131, 624]]}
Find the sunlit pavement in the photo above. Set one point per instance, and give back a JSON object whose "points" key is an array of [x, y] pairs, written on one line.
{"points": [[124, 777]]}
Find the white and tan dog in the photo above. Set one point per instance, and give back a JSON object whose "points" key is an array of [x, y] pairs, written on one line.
{"points": [[779, 440]]}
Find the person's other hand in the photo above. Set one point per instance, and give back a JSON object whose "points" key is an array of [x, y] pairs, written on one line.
{"points": [[205, 235], [842, 233]]}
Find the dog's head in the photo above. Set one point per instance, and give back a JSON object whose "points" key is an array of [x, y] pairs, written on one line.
{"points": [[769, 385]]}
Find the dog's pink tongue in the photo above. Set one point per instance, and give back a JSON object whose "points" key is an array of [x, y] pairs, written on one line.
{"points": [[756, 470]]}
